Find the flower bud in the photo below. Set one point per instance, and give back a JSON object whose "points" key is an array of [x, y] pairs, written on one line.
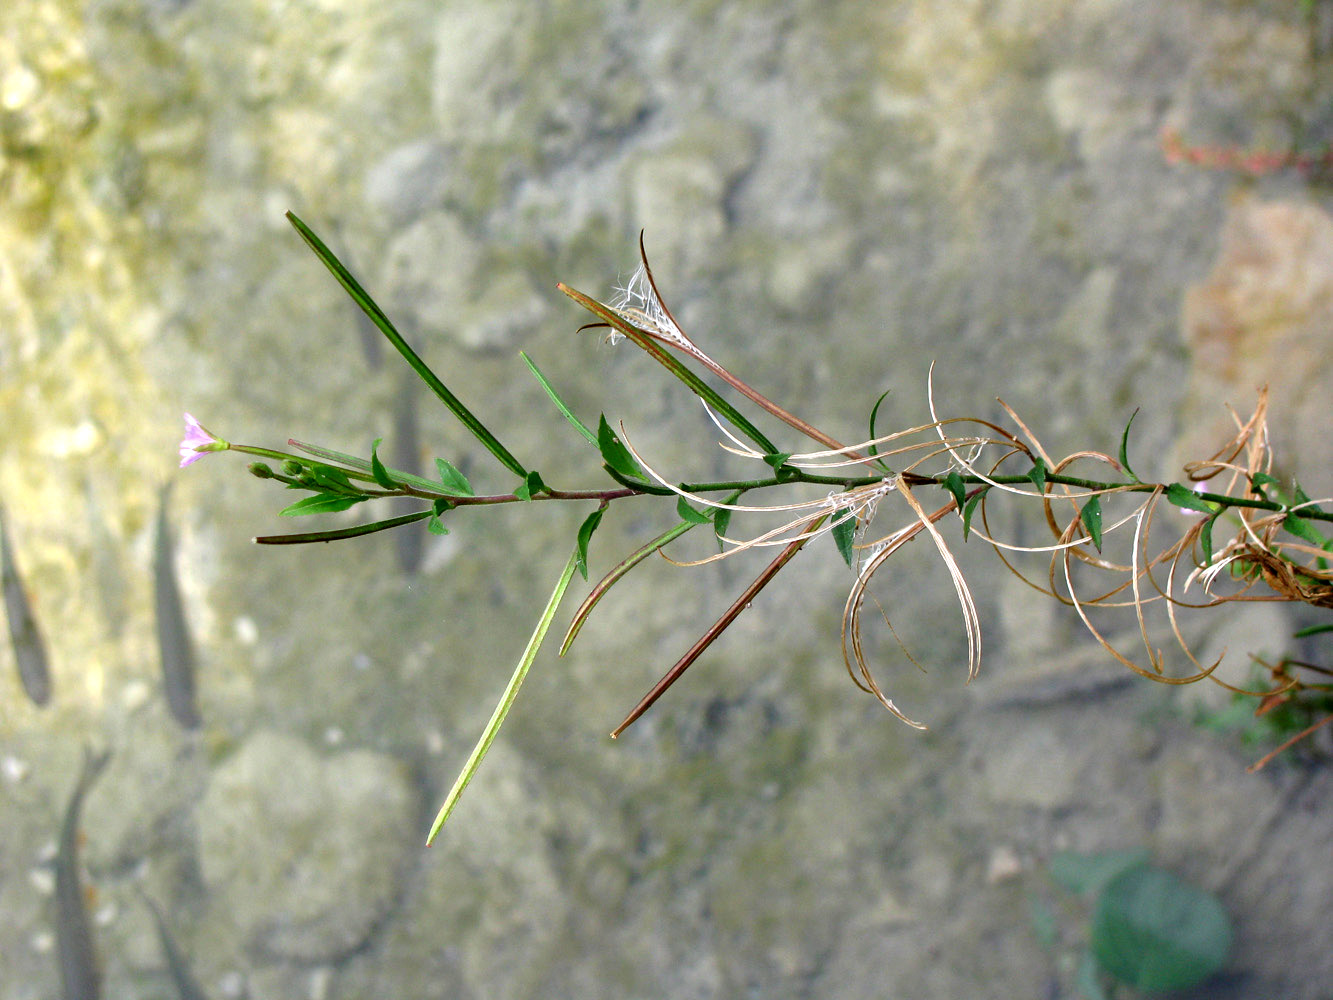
{"points": [[261, 470], [291, 467]]}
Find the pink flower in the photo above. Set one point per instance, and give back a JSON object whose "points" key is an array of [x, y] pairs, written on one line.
{"points": [[197, 442]]}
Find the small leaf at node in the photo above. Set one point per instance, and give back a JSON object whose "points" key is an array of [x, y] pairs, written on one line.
{"points": [[614, 453], [1038, 475], [452, 481], [1091, 516], [1182, 496], [586, 529], [377, 467], [953, 482], [688, 513], [844, 533]]}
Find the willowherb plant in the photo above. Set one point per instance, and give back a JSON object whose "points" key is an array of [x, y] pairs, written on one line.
{"points": [[1246, 540]]}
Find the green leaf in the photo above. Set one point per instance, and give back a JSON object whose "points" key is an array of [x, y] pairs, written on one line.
{"points": [[435, 526], [334, 480], [1302, 529], [1156, 932], [1091, 516], [1206, 539], [452, 481], [530, 486], [1261, 479], [1087, 874], [1182, 496], [560, 403], [361, 465], [320, 503], [586, 529], [874, 411], [1124, 448], [953, 482], [844, 534], [1038, 475], [1312, 630], [377, 467], [506, 700], [721, 521], [688, 513], [377, 316], [615, 454], [970, 507], [777, 458]]}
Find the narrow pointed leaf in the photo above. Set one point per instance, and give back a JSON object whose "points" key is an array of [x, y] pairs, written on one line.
{"points": [[377, 467], [435, 526], [1038, 475], [874, 411], [1182, 496], [844, 534], [614, 453], [320, 503], [530, 487], [688, 513], [721, 521], [452, 481], [334, 480], [377, 316], [1260, 480], [1302, 529], [970, 507], [953, 482], [560, 403], [1091, 516], [1124, 448], [1206, 539], [506, 702], [586, 530]]}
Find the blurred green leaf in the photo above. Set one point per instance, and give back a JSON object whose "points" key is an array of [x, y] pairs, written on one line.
{"points": [[1156, 932], [1302, 529], [1086, 874], [1260, 480]]}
